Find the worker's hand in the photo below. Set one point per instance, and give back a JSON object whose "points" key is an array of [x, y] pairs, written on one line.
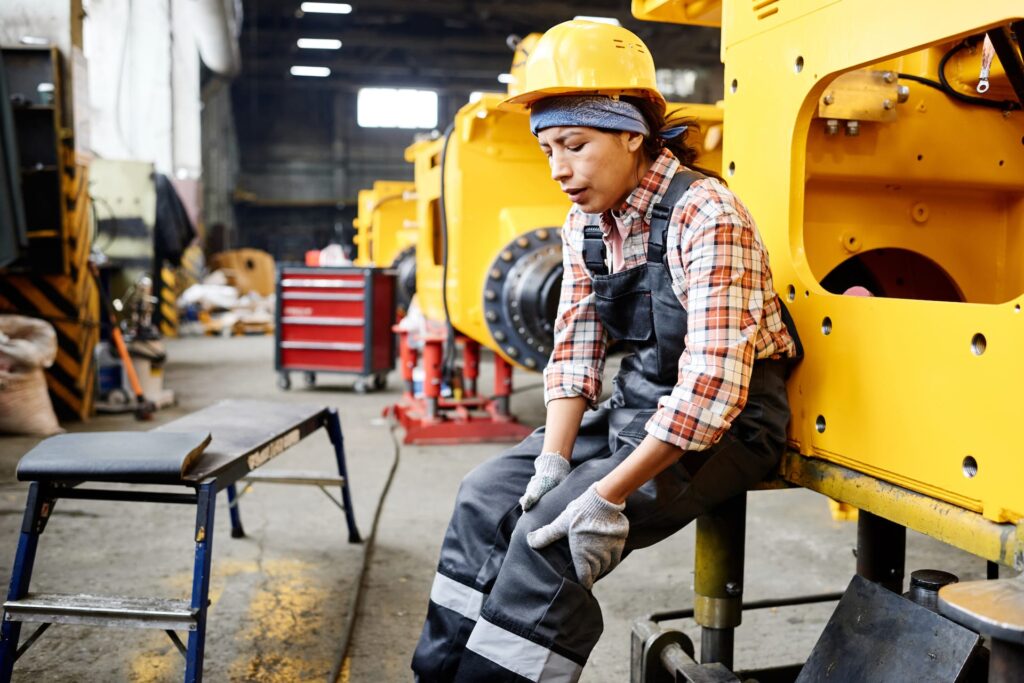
{"points": [[596, 530], [550, 469]]}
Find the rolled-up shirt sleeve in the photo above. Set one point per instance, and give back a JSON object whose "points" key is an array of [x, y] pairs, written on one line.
{"points": [[578, 355], [721, 260]]}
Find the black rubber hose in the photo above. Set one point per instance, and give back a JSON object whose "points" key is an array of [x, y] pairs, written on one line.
{"points": [[449, 352], [368, 549]]}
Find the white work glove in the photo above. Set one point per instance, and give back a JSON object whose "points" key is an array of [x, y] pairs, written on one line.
{"points": [[550, 470], [596, 530]]}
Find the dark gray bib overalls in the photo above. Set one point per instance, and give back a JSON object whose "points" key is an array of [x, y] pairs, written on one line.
{"points": [[494, 595]]}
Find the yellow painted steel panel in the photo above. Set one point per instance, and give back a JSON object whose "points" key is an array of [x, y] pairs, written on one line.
{"points": [[900, 388]]}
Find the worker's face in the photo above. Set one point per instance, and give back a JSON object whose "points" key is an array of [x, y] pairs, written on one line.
{"points": [[596, 168]]}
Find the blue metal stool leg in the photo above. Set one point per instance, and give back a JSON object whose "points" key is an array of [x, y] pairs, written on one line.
{"points": [[205, 507], [334, 431], [37, 512], [236, 514]]}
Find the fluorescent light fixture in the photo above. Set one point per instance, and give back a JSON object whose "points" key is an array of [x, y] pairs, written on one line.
{"points": [[505, 78], [601, 20], [475, 96], [34, 40], [318, 71], [396, 108], [326, 7], [319, 43]]}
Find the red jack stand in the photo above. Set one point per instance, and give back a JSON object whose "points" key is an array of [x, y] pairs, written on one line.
{"points": [[435, 419]]}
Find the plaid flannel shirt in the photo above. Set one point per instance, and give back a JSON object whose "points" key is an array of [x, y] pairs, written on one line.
{"points": [[720, 273]]}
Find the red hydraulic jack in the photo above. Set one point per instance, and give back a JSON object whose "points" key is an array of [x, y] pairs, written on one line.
{"points": [[435, 419]]}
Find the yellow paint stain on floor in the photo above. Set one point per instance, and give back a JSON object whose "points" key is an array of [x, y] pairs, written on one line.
{"points": [[155, 666], [283, 641], [161, 661]]}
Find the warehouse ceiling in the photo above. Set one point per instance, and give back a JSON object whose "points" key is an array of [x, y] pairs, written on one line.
{"points": [[442, 44]]}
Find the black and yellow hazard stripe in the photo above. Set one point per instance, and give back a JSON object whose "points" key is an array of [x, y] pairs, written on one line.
{"points": [[167, 313], [69, 301]]}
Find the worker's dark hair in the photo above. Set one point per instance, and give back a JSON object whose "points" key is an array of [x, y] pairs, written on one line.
{"points": [[657, 121]]}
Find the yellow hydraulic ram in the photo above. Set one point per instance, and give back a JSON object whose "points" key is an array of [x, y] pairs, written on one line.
{"points": [[386, 232]]}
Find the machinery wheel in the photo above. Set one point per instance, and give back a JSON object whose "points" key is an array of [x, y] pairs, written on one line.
{"points": [[362, 385], [309, 378], [284, 382], [380, 380]]}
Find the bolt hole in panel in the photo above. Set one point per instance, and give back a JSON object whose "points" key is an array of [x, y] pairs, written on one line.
{"points": [[970, 467]]}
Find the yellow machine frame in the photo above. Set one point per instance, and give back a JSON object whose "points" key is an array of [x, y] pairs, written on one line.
{"points": [[386, 224], [912, 391]]}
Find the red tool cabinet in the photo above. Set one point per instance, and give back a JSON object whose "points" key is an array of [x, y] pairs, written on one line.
{"points": [[335, 320]]}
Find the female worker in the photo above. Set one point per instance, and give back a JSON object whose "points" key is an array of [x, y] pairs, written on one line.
{"points": [[669, 262]]}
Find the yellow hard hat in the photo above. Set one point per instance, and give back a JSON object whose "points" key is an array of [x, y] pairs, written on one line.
{"points": [[585, 57]]}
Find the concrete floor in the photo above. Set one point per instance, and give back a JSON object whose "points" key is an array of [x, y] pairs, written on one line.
{"points": [[280, 596]]}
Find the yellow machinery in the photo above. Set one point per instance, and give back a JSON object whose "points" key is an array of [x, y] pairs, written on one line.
{"points": [[386, 233], [880, 147]]}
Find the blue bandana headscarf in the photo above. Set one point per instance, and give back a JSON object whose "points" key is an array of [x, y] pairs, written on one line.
{"points": [[593, 111]]}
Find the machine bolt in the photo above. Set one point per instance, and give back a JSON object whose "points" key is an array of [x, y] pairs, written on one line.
{"points": [[889, 77], [512, 351], [887, 104], [832, 127], [829, 98], [499, 335], [495, 274], [523, 242], [491, 316], [531, 363], [902, 94], [490, 295], [506, 256], [852, 128], [542, 234]]}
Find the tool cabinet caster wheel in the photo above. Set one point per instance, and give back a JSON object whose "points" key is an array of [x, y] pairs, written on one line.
{"points": [[284, 382], [309, 378], [380, 380], [361, 386]]}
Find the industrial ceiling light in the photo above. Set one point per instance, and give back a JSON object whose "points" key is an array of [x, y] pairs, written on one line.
{"points": [[600, 20], [505, 78], [319, 43], [326, 7], [317, 71]]}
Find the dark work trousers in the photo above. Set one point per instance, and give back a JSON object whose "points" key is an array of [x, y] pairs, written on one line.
{"points": [[523, 613]]}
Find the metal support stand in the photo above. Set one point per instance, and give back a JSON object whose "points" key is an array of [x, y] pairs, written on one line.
{"points": [[334, 431], [462, 418], [718, 578], [205, 507], [237, 531], [881, 551], [37, 512]]}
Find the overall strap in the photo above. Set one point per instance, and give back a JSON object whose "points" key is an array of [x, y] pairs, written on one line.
{"points": [[662, 212], [594, 251]]}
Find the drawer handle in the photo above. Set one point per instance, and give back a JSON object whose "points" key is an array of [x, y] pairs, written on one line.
{"points": [[322, 346], [321, 284], [310, 320], [321, 296]]}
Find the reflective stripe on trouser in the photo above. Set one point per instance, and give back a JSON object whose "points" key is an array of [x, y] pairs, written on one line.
{"points": [[532, 597]]}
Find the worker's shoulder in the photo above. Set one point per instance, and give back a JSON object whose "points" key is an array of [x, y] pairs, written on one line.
{"points": [[709, 197]]}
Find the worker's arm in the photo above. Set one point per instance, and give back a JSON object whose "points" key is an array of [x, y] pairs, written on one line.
{"points": [[563, 424], [646, 462]]}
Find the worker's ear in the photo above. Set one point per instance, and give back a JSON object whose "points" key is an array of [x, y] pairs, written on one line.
{"points": [[634, 141]]}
